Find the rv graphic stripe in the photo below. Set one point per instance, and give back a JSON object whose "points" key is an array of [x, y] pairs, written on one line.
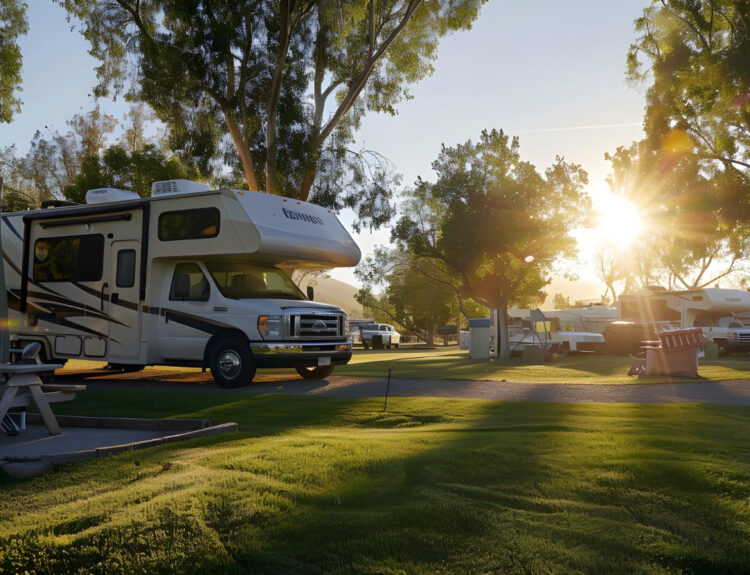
{"points": [[14, 303], [11, 228], [194, 321]]}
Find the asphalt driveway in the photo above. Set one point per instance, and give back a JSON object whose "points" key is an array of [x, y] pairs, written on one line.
{"points": [[720, 393]]}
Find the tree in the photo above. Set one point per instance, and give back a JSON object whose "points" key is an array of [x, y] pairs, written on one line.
{"points": [[13, 24], [68, 165], [416, 292], [117, 167], [559, 301], [690, 243], [692, 172], [503, 226], [288, 81]]}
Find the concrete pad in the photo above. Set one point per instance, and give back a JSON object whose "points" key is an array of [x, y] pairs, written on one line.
{"points": [[35, 441]]}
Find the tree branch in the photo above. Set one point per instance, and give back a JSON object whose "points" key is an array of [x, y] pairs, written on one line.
{"points": [[285, 11], [358, 83]]}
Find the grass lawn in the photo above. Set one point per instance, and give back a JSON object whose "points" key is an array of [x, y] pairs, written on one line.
{"points": [[323, 485], [455, 364], [449, 363]]}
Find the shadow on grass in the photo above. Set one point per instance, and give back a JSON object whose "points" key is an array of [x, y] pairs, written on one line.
{"points": [[430, 486]]}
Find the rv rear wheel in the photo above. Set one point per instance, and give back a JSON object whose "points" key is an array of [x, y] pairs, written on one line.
{"points": [[320, 372], [232, 363]]}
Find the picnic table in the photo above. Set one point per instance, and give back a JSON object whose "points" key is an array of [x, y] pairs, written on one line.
{"points": [[674, 354], [23, 386]]}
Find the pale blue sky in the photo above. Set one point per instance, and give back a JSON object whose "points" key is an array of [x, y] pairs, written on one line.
{"points": [[541, 69]]}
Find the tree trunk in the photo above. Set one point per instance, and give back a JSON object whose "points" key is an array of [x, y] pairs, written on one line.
{"points": [[307, 182], [503, 338], [430, 337], [243, 150]]}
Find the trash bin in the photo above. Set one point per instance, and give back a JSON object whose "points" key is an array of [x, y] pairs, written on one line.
{"points": [[377, 341], [711, 351], [479, 338]]}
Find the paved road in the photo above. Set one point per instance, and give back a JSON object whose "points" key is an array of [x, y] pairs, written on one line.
{"points": [[720, 393]]}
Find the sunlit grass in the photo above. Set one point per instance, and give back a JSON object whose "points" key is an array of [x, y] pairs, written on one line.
{"points": [[446, 363], [323, 485], [455, 364]]}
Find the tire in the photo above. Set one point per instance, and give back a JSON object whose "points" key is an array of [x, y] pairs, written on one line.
{"points": [[395, 345], [232, 363], [319, 372]]}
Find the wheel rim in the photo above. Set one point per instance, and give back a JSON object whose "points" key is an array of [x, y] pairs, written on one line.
{"points": [[229, 364]]}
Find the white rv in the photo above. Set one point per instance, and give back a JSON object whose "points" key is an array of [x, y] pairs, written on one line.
{"points": [[188, 277], [714, 310]]}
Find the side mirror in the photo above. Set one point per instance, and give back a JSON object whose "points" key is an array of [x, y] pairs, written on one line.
{"points": [[310, 293]]}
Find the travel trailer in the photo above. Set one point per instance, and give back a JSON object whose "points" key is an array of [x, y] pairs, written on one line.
{"points": [[714, 310], [188, 277]]}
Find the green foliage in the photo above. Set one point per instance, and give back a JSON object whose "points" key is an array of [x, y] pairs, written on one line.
{"points": [[690, 243], [117, 167], [559, 301], [502, 226], [325, 485], [13, 23], [417, 293], [692, 172], [278, 88], [68, 164]]}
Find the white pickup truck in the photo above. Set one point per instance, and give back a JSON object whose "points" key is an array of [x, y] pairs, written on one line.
{"points": [[389, 335], [729, 333]]}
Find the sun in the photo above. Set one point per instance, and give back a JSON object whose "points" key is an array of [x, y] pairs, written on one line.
{"points": [[618, 221]]}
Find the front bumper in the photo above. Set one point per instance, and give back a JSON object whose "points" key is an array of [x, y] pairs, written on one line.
{"points": [[298, 354]]}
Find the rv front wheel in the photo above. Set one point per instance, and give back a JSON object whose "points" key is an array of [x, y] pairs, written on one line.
{"points": [[232, 363], [320, 372]]}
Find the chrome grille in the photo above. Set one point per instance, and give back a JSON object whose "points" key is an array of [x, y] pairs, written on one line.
{"points": [[742, 336], [315, 325]]}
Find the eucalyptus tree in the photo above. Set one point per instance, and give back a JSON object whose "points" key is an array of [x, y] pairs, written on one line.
{"points": [[691, 174], [13, 24], [288, 80], [503, 226]]}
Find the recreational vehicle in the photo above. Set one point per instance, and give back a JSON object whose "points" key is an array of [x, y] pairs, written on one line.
{"points": [[714, 310], [188, 277]]}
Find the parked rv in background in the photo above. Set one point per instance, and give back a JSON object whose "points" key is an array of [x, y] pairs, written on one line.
{"points": [[714, 310], [188, 277]]}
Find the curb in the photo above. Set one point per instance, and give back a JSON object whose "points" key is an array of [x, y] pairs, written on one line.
{"points": [[190, 428]]}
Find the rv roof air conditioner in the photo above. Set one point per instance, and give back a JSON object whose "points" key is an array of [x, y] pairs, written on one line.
{"points": [[106, 195], [177, 187]]}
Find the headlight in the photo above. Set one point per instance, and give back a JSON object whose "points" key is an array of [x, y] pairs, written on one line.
{"points": [[269, 325], [347, 327]]}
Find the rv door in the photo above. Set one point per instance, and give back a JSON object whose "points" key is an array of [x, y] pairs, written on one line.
{"points": [[122, 299]]}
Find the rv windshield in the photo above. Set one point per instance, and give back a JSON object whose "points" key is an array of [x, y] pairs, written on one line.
{"points": [[240, 280]]}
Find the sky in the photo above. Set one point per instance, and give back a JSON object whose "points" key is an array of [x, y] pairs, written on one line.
{"points": [[550, 72]]}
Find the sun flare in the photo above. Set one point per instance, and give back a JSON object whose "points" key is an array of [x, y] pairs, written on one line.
{"points": [[619, 221]]}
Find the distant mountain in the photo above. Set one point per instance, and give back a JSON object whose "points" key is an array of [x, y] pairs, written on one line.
{"points": [[338, 293]]}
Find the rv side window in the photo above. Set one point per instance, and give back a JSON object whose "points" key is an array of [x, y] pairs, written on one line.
{"points": [[189, 224], [125, 276], [69, 258], [189, 284]]}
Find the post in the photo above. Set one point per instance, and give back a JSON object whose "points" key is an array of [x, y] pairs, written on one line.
{"points": [[387, 390]]}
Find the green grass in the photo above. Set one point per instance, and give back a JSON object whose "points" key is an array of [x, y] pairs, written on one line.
{"points": [[323, 485], [455, 364]]}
